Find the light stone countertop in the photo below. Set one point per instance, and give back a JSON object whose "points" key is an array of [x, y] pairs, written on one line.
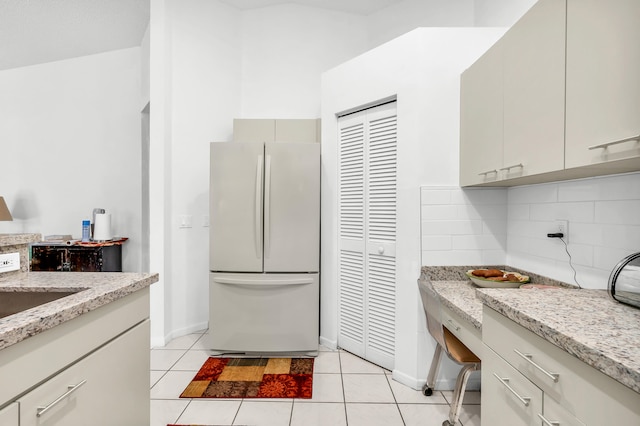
{"points": [[95, 289], [585, 323], [460, 297], [18, 239]]}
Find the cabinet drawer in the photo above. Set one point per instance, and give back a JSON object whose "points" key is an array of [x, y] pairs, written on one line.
{"points": [[583, 391], [508, 398], [463, 330], [557, 415], [108, 387], [9, 415]]}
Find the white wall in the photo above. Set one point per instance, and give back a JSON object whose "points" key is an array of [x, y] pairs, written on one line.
{"points": [[422, 69], [500, 13], [201, 98], [402, 17], [285, 48], [70, 137]]}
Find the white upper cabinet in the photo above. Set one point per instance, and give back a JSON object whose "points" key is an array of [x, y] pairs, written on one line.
{"points": [[533, 69], [563, 83], [481, 113], [603, 81], [512, 101]]}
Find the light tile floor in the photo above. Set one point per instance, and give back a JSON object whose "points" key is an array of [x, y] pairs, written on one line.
{"points": [[347, 391]]}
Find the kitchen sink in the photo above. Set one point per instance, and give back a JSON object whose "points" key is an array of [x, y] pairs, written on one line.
{"points": [[13, 302]]}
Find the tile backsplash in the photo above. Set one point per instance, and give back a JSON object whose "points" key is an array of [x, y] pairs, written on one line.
{"points": [[509, 226], [463, 227]]}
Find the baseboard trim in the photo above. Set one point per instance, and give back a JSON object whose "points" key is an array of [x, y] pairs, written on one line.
{"points": [[159, 342], [441, 384], [329, 344]]}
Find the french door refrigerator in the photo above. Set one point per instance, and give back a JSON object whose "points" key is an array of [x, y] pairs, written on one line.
{"points": [[264, 247]]}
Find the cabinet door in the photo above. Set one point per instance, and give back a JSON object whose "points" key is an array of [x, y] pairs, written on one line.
{"points": [[297, 130], [254, 130], [534, 66], [481, 119], [603, 87], [108, 387], [9, 415], [508, 398]]}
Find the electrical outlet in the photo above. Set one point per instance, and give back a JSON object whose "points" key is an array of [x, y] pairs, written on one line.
{"points": [[9, 262], [562, 226]]}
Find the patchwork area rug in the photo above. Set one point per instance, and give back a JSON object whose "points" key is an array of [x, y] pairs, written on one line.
{"points": [[252, 378]]}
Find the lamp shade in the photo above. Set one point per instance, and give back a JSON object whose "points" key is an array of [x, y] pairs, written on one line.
{"points": [[5, 214]]}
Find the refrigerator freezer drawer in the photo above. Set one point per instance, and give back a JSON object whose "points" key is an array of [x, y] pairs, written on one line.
{"points": [[263, 312]]}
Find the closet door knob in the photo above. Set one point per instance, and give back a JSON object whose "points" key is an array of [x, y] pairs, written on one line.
{"points": [[380, 250]]}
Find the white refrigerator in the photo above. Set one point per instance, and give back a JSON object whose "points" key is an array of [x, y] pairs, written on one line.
{"points": [[264, 247]]}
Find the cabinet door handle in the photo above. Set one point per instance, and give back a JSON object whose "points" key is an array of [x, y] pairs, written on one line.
{"points": [[548, 422], [513, 167], [453, 325], [72, 388], [608, 144], [488, 172], [505, 381], [527, 357]]}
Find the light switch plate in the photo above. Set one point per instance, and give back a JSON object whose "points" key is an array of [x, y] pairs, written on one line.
{"points": [[9, 262]]}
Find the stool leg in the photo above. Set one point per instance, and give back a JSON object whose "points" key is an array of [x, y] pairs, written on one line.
{"points": [[428, 388], [458, 393]]}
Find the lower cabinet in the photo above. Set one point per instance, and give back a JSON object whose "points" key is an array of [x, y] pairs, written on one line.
{"points": [[508, 398], [90, 370], [9, 415], [528, 381], [107, 387], [556, 414]]}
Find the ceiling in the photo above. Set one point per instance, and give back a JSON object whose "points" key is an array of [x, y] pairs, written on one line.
{"points": [[361, 7], [39, 31]]}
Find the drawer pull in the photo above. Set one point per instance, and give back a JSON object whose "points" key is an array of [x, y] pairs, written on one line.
{"points": [[505, 381], [547, 422], [453, 325], [72, 388], [608, 144], [527, 357], [515, 166], [488, 172]]}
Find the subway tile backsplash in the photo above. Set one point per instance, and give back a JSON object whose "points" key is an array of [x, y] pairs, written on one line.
{"points": [[463, 227], [509, 226]]}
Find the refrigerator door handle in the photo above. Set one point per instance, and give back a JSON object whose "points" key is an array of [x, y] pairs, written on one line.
{"points": [[264, 282], [267, 207], [258, 216]]}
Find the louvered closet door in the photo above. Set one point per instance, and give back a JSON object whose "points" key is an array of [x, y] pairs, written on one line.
{"points": [[367, 231]]}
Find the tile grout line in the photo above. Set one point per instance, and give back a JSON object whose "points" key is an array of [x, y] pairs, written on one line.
{"points": [[344, 396], [395, 399]]}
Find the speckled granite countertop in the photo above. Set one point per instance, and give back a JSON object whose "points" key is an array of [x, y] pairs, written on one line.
{"points": [[95, 289], [460, 297], [16, 239], [586, 323]]}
